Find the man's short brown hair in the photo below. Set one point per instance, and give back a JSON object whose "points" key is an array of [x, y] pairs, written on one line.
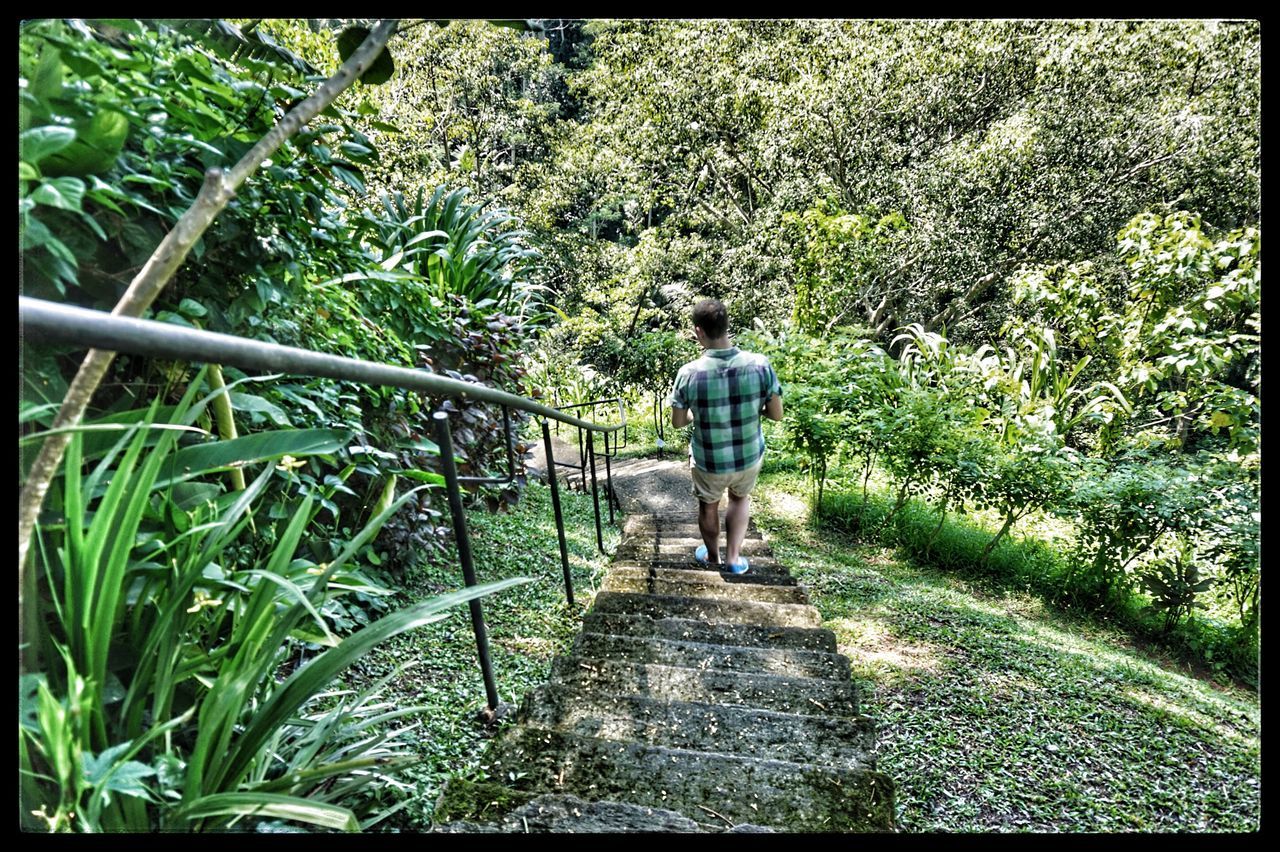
{"points": [[710, 316]]}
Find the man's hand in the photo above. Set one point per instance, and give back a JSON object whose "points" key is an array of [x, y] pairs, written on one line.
{"points": [[681, 417]]}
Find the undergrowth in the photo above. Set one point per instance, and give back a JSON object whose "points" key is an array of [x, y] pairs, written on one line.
{"points": [[998, 711], [528, 626]]}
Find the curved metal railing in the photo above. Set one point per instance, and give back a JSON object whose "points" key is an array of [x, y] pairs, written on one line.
{"points": [[83, 327]]}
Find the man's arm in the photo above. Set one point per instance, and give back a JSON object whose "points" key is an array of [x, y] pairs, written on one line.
{"points": [[773, 408], [680, 417]]}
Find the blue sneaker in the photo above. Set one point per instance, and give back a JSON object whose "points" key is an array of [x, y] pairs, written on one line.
{"points": [[740, 565], [701, 554]]}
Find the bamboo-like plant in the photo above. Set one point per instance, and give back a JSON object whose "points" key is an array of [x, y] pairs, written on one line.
{"points": [[158, 707]]}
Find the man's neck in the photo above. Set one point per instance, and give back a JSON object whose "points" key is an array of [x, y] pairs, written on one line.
{"points": [[718, 343]]}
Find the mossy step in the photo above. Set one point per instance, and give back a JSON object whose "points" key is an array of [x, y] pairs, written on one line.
{"points": [[645, 521], [621, 624], [807, 696], [739, 658], [751, 578], [691, 537], [797, 797], [685, 547], [710, 610], [696, 726], [557, 813], [702, 587], [761, 566], [480, 802]]}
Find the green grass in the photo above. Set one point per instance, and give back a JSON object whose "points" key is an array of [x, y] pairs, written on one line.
{"points": [[999, 713], [528, 626], [1035, 561]]}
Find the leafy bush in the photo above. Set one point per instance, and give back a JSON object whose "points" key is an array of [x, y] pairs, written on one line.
{"points": [[1123, 508], [168, 605]]}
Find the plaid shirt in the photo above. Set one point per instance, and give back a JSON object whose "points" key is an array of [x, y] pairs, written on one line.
{"points": [[726, 388]]}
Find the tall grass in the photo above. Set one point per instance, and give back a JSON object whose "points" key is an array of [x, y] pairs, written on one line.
{"points": [[166, 613]]}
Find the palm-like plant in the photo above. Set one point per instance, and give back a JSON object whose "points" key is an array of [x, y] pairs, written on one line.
{"points": [[456, 249]]}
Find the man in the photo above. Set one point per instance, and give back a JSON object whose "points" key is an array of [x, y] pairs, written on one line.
{"points": [[723, 394]]}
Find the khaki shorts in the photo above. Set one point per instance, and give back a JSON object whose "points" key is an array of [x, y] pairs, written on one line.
{"points": [[710, 487]]}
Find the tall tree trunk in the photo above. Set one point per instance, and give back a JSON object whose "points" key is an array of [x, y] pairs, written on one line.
{"points": [[991, 545]]}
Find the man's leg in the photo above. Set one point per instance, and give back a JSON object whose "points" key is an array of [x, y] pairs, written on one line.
{"points": [[709, 525], [735, 523]]}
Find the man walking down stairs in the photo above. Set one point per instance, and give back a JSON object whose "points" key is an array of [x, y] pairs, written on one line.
{"points": [[694, 700]]}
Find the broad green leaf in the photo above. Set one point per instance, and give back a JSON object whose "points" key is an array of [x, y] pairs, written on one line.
{"points": [[423, 476], [65, 193], [348, 176], [39, 143], [189, 495], [192, 308], [271, 805], [46, 82], [251, 403], [424, 445], [98, 143], [107, 771], [28, 700], [26, 171], [194, 461], [380, 70]]}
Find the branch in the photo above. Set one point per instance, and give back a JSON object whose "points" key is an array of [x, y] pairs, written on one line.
{"points": [[945, 315], [878, 313], [216, 192], [728, 191]]}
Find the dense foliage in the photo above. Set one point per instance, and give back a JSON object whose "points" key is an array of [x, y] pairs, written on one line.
{"points": [[161, 630], [1008, 271]]}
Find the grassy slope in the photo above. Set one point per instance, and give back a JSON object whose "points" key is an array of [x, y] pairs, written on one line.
{"points": [[997, 714], [528, 626]]}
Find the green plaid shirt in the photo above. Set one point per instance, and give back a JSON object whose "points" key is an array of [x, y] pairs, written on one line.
{"points": [[726, 388]]}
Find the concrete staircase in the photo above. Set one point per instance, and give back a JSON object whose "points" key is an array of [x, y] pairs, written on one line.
{"points": [[692, 701]]}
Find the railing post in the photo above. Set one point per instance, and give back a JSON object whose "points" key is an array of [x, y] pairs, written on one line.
{"points": [[555, 504], [608, 479], [595, 493], [445, 439]]}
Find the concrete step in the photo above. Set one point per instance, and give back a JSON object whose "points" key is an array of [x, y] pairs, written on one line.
{"points": [[558, 813], [684, 548], [809, 696], [739, 658], [799, 797], [691, 536], [762, 734], [761, 566], [621, 624], [680, 520], [710, 610], [689, 529], [751, 578], [697, 584]]}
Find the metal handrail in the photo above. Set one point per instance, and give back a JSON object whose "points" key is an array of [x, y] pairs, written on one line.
{"points": [[70, 324], [587, 457], [60, 323]]}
